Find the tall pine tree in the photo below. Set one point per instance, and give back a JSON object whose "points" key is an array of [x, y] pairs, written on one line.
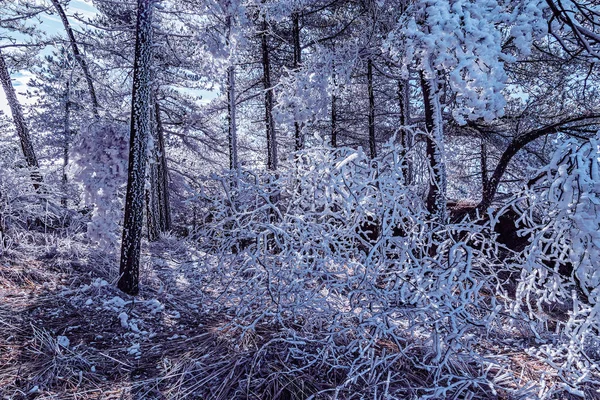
{"points": [[140, 131]]}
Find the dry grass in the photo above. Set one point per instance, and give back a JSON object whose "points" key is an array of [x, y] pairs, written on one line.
{"points": [[183, 354], [174, 346]]}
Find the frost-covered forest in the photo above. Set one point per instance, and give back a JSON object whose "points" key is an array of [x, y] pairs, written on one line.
{"points": [[299, 199]]}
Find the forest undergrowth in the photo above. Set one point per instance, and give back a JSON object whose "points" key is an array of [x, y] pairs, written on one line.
{"points": [[69, 333], [187, 211], [341, 289]]}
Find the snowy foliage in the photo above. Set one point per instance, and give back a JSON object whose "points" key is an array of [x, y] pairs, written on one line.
{"points": [[527, 24], [339, 257], [348, 268], [328, 274], [303, 95], [464, 39], [561, 217], [100, 154]]}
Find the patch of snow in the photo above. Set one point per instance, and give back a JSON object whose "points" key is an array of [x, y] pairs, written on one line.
{"points": [[134, 349], [155, 306], [99, 282], [133, 326], [123, 317], [115, 303], [63, 341]]}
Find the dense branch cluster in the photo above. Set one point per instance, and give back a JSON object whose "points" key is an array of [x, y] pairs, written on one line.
{"points": [[383, 199]]}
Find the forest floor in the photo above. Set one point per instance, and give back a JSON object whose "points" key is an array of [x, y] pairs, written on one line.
{"points": [[66, 332]]}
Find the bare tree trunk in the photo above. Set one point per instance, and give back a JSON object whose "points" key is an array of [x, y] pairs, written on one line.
{"points": [[405, 135], [231, 106], [152, 200], [19, 120], [372, 142], [231, 119], [3, 235], [67, 142], [436, 197], [270, 124], [334, 121], [152, 197], [299, 140], [270, 127], [334, 127], [296, 34], [484, 170], [164, 205], [140, 130], [492, 183], [78, 56]]}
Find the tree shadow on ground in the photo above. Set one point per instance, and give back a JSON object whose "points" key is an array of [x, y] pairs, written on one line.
{"points": [[115, 347], [67, 332]]}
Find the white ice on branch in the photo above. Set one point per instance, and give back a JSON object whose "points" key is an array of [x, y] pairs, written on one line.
{"points": [[466, 41]]}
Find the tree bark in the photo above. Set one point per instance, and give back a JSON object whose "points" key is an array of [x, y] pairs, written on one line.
{"points": [[152, 200], [405, 135], [19, 120], [78, 56], [164, 205], [140, 130], [483, 162], [231, 106], [372, 142], [334, 121], [269, 123], [152, 183], [231, 119], [490, 189], [334, 127], [299, 140], [436, 197], [3, 236], [67, 142]]}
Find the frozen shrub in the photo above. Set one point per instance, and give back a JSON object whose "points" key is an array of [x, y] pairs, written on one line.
{"points": [[100, 155], [23, 207], [560, 265], [340, 257]]}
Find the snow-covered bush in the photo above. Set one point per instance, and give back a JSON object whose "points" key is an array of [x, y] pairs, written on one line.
{"points": [[100, 155], [21, 205], [33, 218], [18, 203], [464, 39], [560, 265], [339, 256]]}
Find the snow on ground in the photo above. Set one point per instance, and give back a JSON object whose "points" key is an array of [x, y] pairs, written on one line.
{"points": [[67, 332]]}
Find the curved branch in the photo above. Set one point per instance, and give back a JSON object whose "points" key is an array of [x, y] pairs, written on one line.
{"points": [[78, 56], [489, 192], [585, 37]]}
